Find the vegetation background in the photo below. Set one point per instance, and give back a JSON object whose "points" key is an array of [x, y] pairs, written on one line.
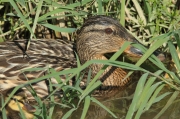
{"points": [[155, 23]]}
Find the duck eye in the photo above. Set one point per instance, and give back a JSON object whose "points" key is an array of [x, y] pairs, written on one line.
{"points": [[108, 30]]}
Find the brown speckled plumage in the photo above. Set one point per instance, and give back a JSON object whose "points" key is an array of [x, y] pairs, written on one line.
{"points": [[94, 41], [57, 54], [98, 35]]}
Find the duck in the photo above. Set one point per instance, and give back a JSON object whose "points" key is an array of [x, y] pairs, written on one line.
{"points": [[98, 36], [14, 105]]}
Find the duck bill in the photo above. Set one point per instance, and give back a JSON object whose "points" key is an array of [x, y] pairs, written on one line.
{"points": [[134, 54]]}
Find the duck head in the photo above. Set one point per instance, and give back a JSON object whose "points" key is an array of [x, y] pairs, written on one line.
{"points": [[101, 35]]}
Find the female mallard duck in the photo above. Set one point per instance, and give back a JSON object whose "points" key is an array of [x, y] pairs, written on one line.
{"points": [[99, 35]]}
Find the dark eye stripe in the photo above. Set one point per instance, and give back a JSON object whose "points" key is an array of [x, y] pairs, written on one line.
{"points": [[108, 30]]}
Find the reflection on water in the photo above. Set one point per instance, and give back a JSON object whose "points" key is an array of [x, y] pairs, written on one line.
{"points": [[119, 103]]}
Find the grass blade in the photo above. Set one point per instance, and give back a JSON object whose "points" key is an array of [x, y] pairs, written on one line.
{"points": [[122, 17], [69, 113], [147, 86], [174, 54], [170, 101], [139, 89], [56, 28], [21, 16], [144, 103], [104, 107], [86, 107], [4, 116]]}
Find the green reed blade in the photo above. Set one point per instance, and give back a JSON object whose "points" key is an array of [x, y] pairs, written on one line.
{"points": [[86, 107], [170, 101], [138, 91], [104, 107]]}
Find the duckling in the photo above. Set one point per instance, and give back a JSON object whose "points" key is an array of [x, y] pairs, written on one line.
{"points": [[14, 105], [98, 35]]}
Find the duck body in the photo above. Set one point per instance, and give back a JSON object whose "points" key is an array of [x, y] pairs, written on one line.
{"points": [[99, 35], [42, 53]]}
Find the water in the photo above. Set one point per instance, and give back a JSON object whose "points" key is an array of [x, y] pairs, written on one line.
{"points": [[119, 103]]}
